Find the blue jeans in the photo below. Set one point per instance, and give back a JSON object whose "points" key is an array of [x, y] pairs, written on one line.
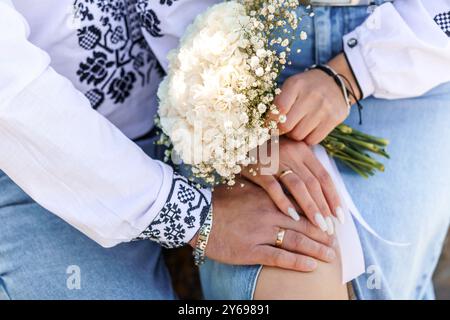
{"points": [[43, 257], [408, 203]]}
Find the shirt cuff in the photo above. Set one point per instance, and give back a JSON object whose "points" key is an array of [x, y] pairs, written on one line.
{"points": [[355, 59], [182, 215]]}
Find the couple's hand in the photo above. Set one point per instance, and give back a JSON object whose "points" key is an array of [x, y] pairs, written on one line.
{"points": [[310, 185], [313, 103], [314, 106], [246, 220], [245, 227]]}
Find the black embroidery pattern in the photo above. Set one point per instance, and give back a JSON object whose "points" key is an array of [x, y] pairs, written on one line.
{"points": [[149, 19], [168, 2], [443, 21], [119, 58], [184, 212]]}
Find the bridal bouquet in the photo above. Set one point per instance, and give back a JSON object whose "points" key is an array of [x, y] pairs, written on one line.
{"points": [[220, 87]]}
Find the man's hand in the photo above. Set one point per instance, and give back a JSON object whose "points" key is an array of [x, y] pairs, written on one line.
{"points": [[245, 227], [314, 103]]}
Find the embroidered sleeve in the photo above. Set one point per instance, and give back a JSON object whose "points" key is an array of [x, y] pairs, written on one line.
{"points": [[182, 215], [443, 21]]}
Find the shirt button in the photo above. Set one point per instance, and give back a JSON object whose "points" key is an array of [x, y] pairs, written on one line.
{"points": [[352, 42]]}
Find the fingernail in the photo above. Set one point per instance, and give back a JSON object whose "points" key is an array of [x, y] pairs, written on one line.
{"points": [[311, 263], [340, 215], [330, 226], [331, 255], [320, 220], [293, 214]]}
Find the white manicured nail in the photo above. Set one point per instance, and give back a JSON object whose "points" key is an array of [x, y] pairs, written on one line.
{"points": [[330, 225], [320, 220], [293, 214], [340, 215]]}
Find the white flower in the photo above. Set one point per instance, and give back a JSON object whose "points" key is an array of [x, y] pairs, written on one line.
{"points": [[261, 53], [303, 35], [262, 108], [254, 62], [259, 72]]}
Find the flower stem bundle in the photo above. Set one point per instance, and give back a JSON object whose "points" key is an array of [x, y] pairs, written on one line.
{"points": [[354, 147]]}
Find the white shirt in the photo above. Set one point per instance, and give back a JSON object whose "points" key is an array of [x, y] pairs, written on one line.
{"points": [[402, 50], [80, 164]]}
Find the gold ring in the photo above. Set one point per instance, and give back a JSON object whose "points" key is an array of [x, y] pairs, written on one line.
{"points": [[285, 173], [280, 237]]}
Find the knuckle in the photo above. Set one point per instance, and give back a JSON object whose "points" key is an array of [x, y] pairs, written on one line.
{"points": [[310, 141], [310, 229], [323, 208], [317, 95], [324, 178], [272, 186], [322, 251], [294, 135], [310, 207], [312, 183], [300, 241], [300, 263], [297, 184], [277, 258]]}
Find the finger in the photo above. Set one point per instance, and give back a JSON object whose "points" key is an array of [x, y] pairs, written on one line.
{"points": [[300, 192], [314, 188], [297, 113], [275, 257], [326, 183], [299, 243], [304, 127], [320, 133], [276, 193], [287, 97], [305, 227], [279, 197]]}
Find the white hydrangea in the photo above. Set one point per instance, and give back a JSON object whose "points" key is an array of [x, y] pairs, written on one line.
{"points": [[212, 99]]}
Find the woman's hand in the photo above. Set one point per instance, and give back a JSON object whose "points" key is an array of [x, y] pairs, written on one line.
{"points": [[306, 180], [313, 103], [245, 227]]}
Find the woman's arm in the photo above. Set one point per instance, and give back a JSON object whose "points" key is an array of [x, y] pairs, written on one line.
{"points": [[402, 50]]}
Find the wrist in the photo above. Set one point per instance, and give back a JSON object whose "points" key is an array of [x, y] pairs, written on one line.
{"points": [[193, 241], [341, 66]]}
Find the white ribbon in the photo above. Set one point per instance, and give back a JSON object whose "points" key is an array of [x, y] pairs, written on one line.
{"points": [[350, 248]]}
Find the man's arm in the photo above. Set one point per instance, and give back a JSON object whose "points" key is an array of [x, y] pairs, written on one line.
{"points": [[72, 160], [402, 50]]}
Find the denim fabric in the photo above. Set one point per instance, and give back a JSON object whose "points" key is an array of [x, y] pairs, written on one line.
{"points": [[41, 257], [410, 202]]}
